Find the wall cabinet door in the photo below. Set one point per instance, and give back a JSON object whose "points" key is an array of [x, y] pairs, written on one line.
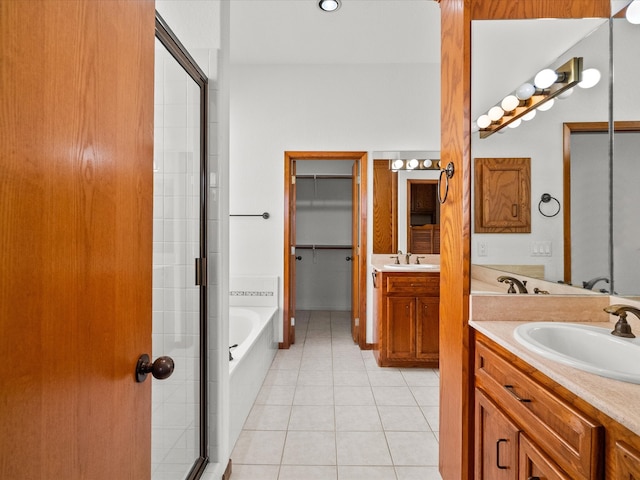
{"points": [[496, 442], [427, 328], [401, 327]]}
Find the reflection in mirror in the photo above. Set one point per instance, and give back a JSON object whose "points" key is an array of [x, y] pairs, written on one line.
{"points": [[392, 211], [528, 46]]}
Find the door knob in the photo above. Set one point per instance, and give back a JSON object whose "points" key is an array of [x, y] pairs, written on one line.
{"points": [[161, 368]]}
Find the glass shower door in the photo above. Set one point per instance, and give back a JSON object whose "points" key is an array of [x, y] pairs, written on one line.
{"points": [[178, 423]]}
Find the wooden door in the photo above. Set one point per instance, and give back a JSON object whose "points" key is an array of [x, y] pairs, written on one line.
{"points": [[290, 336], [76, 115], [496, 442], [355, 252]]}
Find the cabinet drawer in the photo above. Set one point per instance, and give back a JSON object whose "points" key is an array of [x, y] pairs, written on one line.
{"points": [[571, 439], [415, 285]]}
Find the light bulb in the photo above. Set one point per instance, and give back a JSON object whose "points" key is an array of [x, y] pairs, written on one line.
{"points": [[565, 94], [397, 164], [411, 164], [427, 164], [509, 103], [515, 123], [529, 116], [590, 78], [525, 91], [545, 78], [633, 12], [483, 121], [329, 5], [495, 113], [546, 105]]}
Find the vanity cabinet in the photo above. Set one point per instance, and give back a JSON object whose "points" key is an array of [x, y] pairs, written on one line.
{"points": [[554, 439], [627, 462], [406, 316]]}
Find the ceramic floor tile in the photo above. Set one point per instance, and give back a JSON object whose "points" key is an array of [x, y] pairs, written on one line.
{"points": [[403, 419], [310, 448], [316, 362], [347, 472], [413, 448], [357, 418], [432, 414], [268, 417], [401, 396], [362, 448], [386, 378], [353, 378], [276, 395], [313, 395], [353, 395], [315, 377], [281, 377], [256, 447], [255, 472], [417, 473], [301, 472], [312, 417], [421, 377], [426, 396]]}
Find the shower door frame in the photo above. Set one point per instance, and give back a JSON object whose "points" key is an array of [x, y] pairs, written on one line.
{"points": [[169, 40]]}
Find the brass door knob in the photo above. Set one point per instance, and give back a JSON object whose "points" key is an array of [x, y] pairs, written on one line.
{"points": [[161, 368]]}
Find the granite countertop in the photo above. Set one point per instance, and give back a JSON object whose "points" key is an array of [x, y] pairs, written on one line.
{"points": [[619, 400]]}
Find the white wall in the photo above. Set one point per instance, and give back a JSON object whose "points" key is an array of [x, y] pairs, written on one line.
{"points": [[275, 108]]}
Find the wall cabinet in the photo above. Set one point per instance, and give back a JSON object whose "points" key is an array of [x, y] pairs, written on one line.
{"points": [[502, 195], [406, 319]]}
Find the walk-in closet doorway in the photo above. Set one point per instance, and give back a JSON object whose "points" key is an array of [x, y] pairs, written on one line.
{"points": [[325, 237]]}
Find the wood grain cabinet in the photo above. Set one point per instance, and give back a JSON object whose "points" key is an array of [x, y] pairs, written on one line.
{"points": [[552, 438], [627, 462], [406, 316], [502, 195]]}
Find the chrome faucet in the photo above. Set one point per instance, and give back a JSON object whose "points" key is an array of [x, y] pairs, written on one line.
{"points": [[407, 257], [622, 328], [591, 283], [514, 281]]}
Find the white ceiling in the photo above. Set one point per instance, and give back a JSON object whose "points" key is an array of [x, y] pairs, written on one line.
{"points": [[361, 31]]}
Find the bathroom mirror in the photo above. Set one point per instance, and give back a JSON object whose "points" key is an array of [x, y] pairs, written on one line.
{"points": [[533, 45]]}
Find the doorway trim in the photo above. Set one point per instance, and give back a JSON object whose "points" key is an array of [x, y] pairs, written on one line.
{"points": [[359, 215], [568, 129]]}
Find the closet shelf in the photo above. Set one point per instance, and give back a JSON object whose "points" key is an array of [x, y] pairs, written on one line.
{"points": [[324, 177]]}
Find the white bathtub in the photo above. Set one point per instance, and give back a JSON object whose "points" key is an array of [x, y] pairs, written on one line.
{"points": [[254, 330]]}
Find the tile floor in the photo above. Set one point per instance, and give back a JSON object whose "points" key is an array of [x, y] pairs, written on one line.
{"points": [[327, 411]]}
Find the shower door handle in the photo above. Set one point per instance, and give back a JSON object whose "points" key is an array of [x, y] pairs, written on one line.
{"points": [[161, 368]]}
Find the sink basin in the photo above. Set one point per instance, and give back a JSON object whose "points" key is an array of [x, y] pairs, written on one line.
{"points": [[412, 266], [588, 348]]}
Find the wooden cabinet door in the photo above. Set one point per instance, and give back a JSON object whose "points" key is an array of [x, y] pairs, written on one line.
{"points": [[535, 465], [427, 328], [401, 327], [496, 442], [502, 195], [627, 462]]}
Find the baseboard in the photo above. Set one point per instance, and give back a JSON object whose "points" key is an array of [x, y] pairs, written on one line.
{"points": [[227, 472]]}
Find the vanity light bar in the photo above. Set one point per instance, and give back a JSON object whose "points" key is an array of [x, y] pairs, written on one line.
{"points": [[530, 96], [414, 164]]}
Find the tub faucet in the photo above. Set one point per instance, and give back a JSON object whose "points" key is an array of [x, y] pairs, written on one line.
{"points": [[591, 283], [622, 328], [514, 281], [232, 346]]}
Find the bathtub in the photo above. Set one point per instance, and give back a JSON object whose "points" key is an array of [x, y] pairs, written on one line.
{"points": [[254, 329]]}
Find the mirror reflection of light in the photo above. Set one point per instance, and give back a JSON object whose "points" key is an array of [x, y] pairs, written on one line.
{"points": [[590, 78], [633, 12], [546, 105], [515, 123], [565, 94], [529, 116]]}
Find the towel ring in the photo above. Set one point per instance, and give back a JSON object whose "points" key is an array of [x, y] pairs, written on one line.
{"points": [[448, 171], [546, 198]]}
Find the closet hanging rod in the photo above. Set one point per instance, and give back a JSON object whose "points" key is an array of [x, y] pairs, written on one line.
{"points": [[324, 247], [264, 215], [319, 177]]}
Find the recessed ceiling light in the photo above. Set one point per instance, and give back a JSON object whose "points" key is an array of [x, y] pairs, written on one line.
{"points": [[329, 5]]}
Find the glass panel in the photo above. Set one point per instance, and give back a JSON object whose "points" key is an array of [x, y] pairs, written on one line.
{"points": [[176, 237]]}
